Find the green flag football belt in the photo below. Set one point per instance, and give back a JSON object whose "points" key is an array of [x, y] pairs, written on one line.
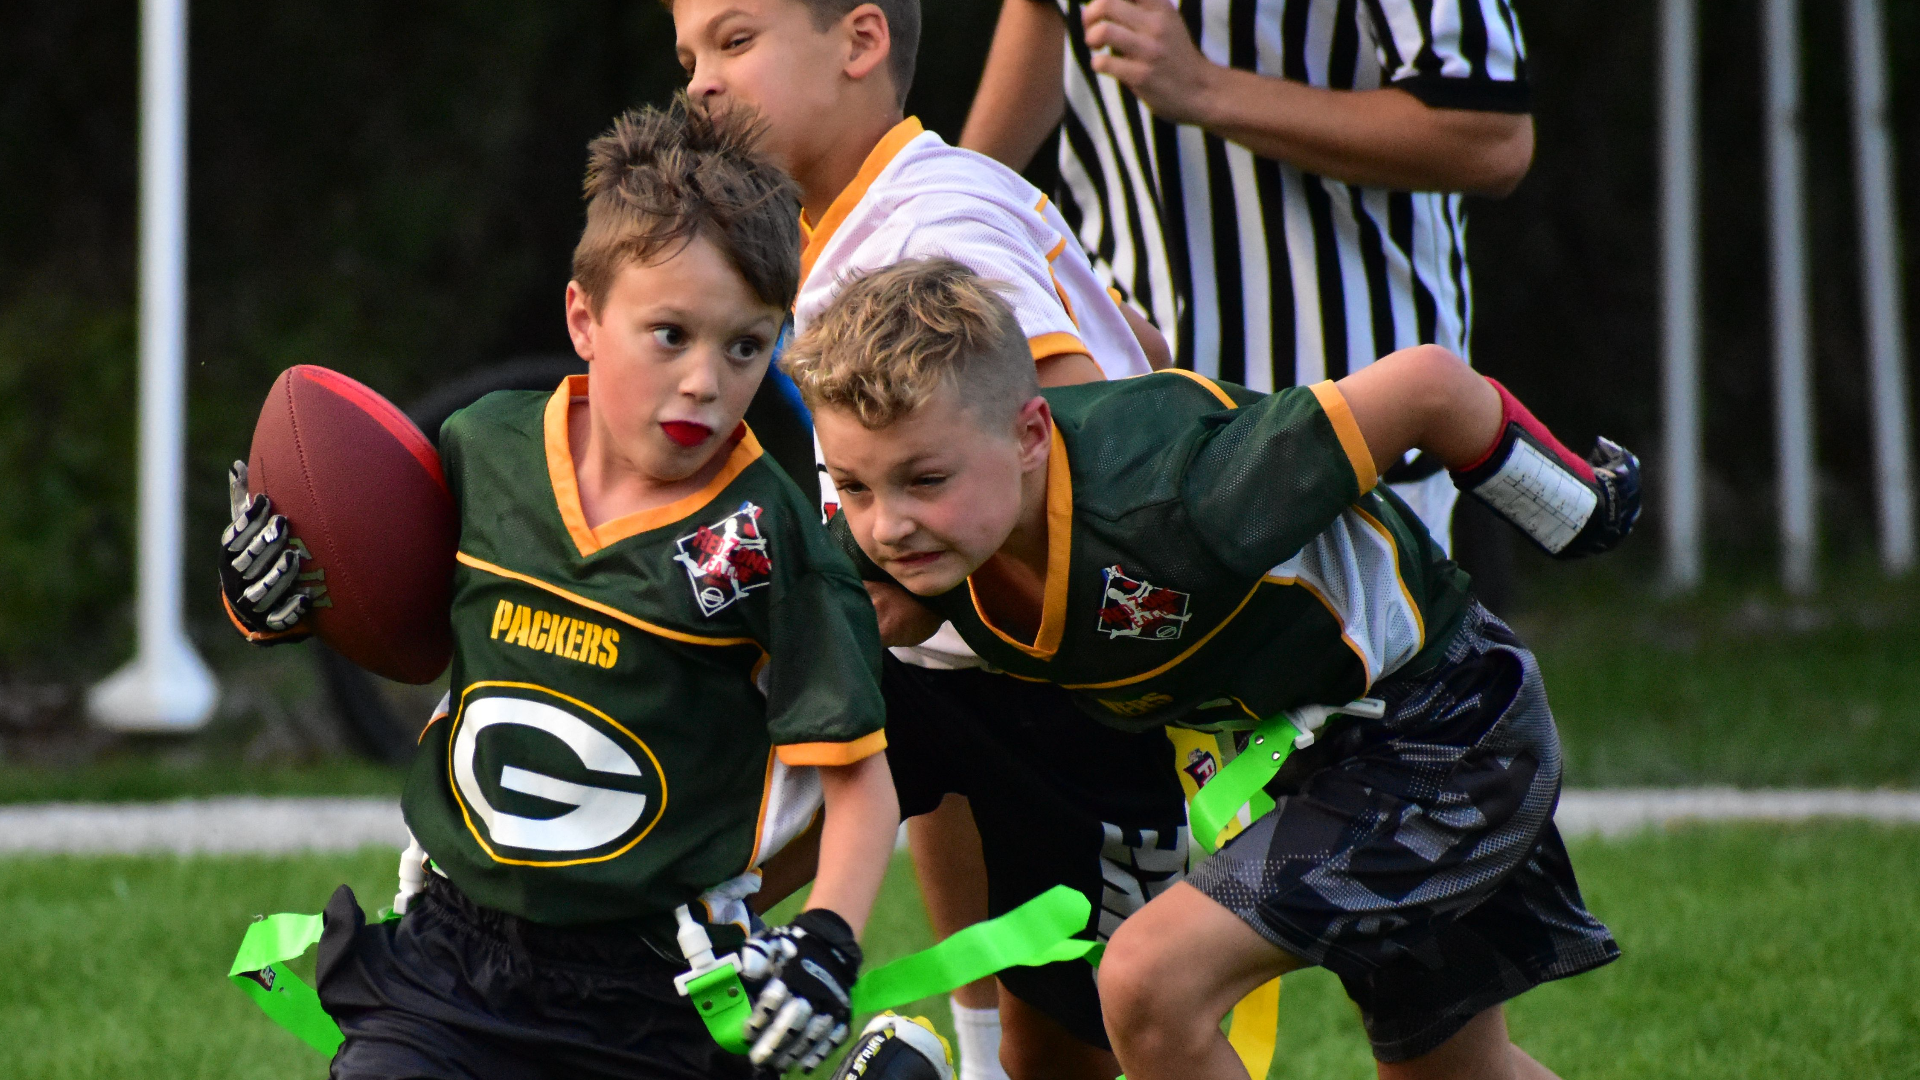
{"points": [[1039, 931], [1242, 782]]}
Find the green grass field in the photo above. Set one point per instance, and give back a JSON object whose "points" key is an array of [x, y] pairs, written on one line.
{"points": [[1734, 686], [1750, 952]]}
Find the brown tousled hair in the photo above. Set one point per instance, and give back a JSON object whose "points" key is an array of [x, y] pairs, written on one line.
{"points": [[890, 339], [661, 177]]}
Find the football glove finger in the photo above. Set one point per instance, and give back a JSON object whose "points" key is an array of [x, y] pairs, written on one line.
{"points": [[824, 1044], [237, 489], [260, 547], [246, 526], [780, 1039], [288, 615]]}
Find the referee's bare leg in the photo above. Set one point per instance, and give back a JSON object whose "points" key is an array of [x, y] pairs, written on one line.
{"points": [[1178, 965], [953, 881]]}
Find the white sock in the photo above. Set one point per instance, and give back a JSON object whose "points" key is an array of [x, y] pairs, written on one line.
{"points": [[977, 1031]]}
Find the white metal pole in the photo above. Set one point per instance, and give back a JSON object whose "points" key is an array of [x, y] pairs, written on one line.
{"points": [[1880, 280], [1679, 226], [1793, 398], [166, 687]]}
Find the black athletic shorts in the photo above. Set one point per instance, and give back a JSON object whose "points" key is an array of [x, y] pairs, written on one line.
{"points": [[1058, 797], [455, 991], [1416, 857]]}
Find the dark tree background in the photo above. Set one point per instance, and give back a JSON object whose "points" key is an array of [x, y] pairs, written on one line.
{"points": [[391, 189]]}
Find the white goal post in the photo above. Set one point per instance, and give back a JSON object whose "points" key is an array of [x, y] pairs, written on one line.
{"points": [[166, 687]]}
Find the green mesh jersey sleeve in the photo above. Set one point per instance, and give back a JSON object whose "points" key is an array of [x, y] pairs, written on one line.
{"points": [[1273, 474], [822, 675]]}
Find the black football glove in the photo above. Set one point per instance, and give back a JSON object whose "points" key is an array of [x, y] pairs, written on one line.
{"points": [[897, 1048], [1567, 506], [802, 974], [260, 577], [1616, 472]]}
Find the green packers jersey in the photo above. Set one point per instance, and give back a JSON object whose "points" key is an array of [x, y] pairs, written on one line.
{"points": [[633, 705], [1216, 556]]}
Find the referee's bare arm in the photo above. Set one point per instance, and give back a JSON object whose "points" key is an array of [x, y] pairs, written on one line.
{"points": [[1383, 138]]}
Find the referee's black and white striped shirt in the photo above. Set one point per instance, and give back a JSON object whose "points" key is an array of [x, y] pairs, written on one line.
{"points": [[1272, 277]]}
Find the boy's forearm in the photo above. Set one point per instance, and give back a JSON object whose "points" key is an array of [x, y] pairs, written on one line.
{"points": [[1423, 398], [863, 815], [1428, 399], [1022, 95]]}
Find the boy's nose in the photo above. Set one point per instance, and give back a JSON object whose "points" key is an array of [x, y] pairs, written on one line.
{"points": [[700, 382], [703, 87], [890, 528]]}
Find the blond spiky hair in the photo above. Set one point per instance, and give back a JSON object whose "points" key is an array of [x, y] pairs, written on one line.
{"points": [[893, 337], [661, 177]]}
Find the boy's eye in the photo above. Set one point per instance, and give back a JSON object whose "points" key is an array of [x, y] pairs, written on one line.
{"points": [[670, 337], [927, 480], [737, 41], [850, 487], [745, 350]]}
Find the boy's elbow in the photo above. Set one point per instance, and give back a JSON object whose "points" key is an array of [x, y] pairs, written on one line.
{"points": [[1433, 378]]}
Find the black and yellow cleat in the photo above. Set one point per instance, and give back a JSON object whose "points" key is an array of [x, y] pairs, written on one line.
{"points": [[893, 1047]]}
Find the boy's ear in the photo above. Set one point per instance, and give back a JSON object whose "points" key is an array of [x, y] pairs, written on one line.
{"points": [[869, 41], [1033, 428], [580, 320]]}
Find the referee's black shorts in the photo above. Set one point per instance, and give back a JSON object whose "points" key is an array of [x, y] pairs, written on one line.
{"points": [[1059, 799], [455, 991]]}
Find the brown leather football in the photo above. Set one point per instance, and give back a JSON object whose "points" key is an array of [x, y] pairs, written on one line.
{"points": [[362, 488]]}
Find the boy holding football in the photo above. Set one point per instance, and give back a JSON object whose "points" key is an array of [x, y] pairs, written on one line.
{"points": [[830, 77], [661, 668], [1176, 551]]}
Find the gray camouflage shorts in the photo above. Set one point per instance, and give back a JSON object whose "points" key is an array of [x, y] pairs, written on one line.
{"points": [[1415, 857]]}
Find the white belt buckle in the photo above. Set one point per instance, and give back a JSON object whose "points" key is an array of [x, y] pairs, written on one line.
{"points": [[1311, 718]]}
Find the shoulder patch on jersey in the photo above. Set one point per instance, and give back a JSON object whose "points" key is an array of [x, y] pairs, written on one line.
{"points": [[726, 560], [1130, 608]]}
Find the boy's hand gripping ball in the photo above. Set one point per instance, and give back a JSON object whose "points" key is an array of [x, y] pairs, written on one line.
{"points": [[260, 568], [361, 551]]}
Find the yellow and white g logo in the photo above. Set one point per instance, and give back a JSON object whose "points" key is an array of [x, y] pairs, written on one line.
{"points": [[516, 758]]}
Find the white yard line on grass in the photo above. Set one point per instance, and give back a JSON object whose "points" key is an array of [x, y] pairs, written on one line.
{"points": [[224, 826], [249, 825], [1613, 811]]}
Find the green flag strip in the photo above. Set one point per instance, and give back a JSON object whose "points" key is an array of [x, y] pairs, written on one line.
{"points": [[260, 969], [1242, 781], [1039, 931]]}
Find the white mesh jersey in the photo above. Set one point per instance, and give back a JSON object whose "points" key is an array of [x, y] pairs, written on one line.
{"points": [[917, 197]]}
